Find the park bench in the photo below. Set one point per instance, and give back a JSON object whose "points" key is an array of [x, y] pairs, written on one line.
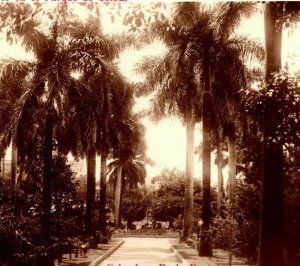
{"points": [[74, 246], [193, 241], [77, 246]]}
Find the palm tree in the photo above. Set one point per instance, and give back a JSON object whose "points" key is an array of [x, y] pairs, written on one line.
{"points": [[172, 77], [219, 56], [129, 172], [127, 169], [93, 58], [52, 87]]}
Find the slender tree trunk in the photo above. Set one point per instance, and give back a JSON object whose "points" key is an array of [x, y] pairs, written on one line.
{"points": [[91, 191], [102, 218], [118, 196], [14, 165], [122, 194], [231, 161], [3, 167], [46, 194], [205, 247], [271, 224], [21, 174], [188, 218], [220, 178], [129, 223]]}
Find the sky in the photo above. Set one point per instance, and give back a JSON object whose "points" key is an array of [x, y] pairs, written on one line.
{"points": [[166, 139]]}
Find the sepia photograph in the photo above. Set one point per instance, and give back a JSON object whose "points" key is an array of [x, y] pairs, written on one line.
{"points": [[149, 133]]}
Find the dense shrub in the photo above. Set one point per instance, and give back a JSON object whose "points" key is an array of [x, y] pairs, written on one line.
{"points": [[237, 227], [20, 212]]}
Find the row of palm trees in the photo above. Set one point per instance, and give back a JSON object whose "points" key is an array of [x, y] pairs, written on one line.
{"points": [[202, 76], [88, 115], [199, 79]]}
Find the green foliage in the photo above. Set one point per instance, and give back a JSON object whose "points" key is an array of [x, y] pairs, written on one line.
{"points": [[292, 204], [135, 204], [67, 209], [167, 201], [240, 227], [20, 212], [237, 227], [281, 100]]}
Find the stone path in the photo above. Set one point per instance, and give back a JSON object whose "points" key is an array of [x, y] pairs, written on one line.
{"points": [[143, 252]]}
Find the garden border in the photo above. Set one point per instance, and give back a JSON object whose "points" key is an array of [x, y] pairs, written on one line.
{"points": [[107, 253]]}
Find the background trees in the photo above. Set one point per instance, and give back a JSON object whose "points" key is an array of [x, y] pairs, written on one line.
{"points": [[168, 199], [135, 204]]}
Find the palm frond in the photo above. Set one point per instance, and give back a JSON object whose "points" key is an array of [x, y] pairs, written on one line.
{"points": [[247, 48], [229, 15], [12, 69], [25, 108]]}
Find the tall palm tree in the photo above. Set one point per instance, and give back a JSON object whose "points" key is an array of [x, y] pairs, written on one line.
{"points": [[172, 77], [219, 55], [51, 86], [110, 89], [93, 58]]}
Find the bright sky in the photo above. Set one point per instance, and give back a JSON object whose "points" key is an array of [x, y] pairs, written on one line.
{"points": [[166, 139]]}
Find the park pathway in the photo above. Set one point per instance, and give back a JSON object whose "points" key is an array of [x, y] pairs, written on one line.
{"points": [[143, 252]]}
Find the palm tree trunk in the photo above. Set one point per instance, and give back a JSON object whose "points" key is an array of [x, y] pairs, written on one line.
{"points": [[220, 178], [123, 187], [231, 161], [46, 194], [91, 191], [102, 219], [21, 175], [205, 247], [3, 165], [271, 223], [188, 218], [14, 165], [118, 196]]}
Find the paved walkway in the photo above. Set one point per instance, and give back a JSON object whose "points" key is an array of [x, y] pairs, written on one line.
{"points": [[143, 252], [149, 252]]}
